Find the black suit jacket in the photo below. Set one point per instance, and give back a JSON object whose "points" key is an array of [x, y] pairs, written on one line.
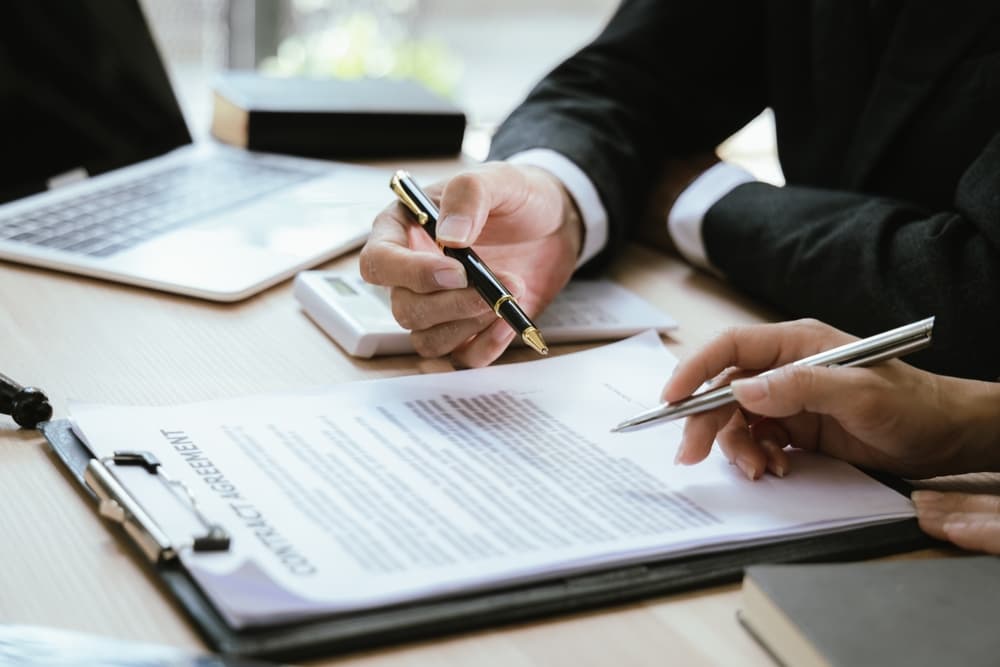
{"points": [[888, 129]]}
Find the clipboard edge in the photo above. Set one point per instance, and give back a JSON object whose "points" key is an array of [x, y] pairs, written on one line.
{"points": [[604, 588]]}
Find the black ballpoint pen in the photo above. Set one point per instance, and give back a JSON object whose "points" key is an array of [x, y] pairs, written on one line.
{"points": [[480, 275]]}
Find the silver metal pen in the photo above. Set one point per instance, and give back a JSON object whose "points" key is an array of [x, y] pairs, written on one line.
{"points": [[865, 352]]}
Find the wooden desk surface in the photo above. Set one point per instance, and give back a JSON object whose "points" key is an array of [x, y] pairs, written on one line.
{"points": [[98, 341]]}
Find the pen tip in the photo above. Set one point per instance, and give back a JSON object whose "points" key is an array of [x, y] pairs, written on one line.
{"points": [[533, 338]]}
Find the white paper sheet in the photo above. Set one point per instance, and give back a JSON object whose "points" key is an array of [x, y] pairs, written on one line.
{"points": [[383, 491]]}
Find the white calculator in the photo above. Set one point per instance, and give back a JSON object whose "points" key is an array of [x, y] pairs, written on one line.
{"points": [[358, 316]]}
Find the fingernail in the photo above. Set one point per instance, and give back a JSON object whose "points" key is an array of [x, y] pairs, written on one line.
{"points": [[450, 278], [747, 467], [454, 229], [750, 389], [774, 457], [677, 456], [925, 496]]}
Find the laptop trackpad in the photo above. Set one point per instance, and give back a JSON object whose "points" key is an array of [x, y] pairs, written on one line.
{"points": [[227, 252], [290, 227]]}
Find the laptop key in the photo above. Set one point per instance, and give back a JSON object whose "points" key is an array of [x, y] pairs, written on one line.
{"points": [[84, 245], [108, 250]]}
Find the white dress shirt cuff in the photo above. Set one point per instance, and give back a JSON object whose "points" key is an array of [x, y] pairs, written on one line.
{"points": [[581, 189], [684, 222]]}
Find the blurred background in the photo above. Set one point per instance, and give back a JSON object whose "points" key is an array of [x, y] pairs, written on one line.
{"points": [[483, 56]]}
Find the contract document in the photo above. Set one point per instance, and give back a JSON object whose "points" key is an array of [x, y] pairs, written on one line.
{"points": [[373, 493]]}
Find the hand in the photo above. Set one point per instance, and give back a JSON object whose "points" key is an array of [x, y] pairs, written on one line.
{"points": [[971, 521], [890, 417], [521, 221]]}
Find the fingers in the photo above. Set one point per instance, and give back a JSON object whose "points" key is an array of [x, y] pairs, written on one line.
{"points": [[971, 521], [976, 532], [793, 389], [741, 449], [754, 448], [417, 312], [388, 259], [752, 347], [957, 503], [485, 347], [448, 336], [699, 435], [772, 439], [456, 322]]}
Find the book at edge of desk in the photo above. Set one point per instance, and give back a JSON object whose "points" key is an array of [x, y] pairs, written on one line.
{"points": [[334, 119], [909, 612]]}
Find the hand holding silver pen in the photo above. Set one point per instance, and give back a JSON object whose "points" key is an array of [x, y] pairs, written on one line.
{"points": [[889, 416], [883, 346]]}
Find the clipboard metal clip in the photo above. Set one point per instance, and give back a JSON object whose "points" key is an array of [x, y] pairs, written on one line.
{"points": [[118, 505]]}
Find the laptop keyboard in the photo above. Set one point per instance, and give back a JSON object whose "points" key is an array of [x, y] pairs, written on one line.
{"points": [[107, 221]]}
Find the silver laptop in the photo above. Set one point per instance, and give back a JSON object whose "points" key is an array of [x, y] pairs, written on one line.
{"points": [[99, 175]]}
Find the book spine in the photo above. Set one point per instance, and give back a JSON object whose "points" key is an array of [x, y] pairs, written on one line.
{"points": [[356, 135]]}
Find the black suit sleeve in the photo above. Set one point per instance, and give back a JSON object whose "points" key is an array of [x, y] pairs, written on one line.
{"points": [[866, 264], [665, 78]]}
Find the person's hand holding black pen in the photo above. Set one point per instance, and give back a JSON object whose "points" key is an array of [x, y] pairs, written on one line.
{"points": [[522, 223], [889, 416], [493, 291]]}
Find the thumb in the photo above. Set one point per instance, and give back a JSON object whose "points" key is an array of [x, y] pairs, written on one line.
{"points": [[496, 189], [465, 206], [790, 390]]}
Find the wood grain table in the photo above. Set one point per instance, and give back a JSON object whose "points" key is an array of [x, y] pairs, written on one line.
{"points": [[91, 340]]}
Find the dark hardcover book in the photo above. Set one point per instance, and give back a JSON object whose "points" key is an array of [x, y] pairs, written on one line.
{"points": [[329, 118], [910, 612]]}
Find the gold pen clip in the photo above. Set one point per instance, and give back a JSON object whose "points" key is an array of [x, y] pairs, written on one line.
{"points": [[396, 183]]}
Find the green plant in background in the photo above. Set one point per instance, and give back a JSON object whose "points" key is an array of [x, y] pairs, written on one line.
{"points": [[362, 43]]}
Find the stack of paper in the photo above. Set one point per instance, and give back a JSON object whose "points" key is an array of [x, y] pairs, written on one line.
{"points": [[379, 492]]}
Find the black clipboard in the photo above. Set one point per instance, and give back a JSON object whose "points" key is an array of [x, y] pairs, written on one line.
{"points": [[421, 619]]}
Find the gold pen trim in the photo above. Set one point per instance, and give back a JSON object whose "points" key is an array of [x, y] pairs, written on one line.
{"points": [[396, 184], [501, 301]]}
